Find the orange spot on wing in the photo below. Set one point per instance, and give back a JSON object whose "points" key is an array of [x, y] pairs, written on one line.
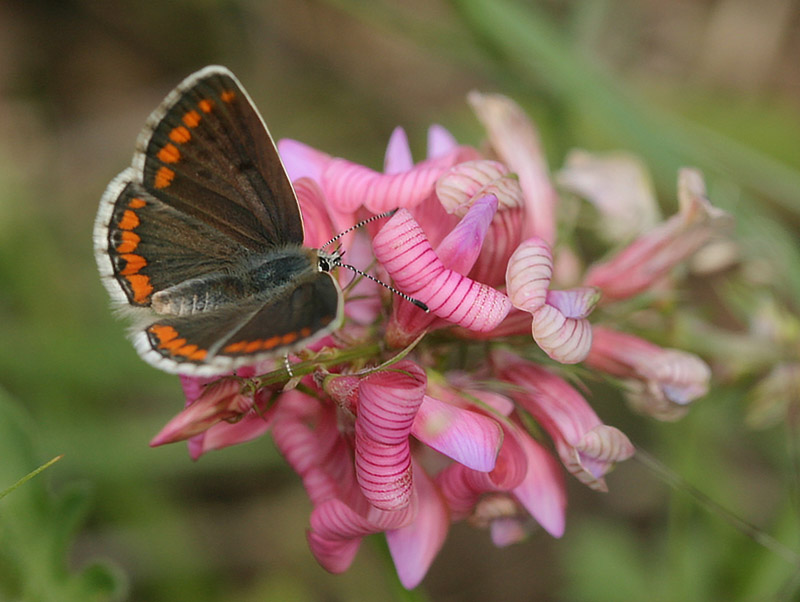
{"points": [[136, 203], [235, 347], [134, 263], [253, 346], [198, 356], [206, 105], [228, 96], [289, 337], [186, 350], [141, 287], [169, 154], [272, 342], [180, 135], [164, 177], [129, 220], [192, 118], [305, 332], [163, 332], [129, 242]]}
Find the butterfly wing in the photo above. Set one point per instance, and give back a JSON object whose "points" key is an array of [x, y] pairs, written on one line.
{"points": [[213, 342], [206, 188]]}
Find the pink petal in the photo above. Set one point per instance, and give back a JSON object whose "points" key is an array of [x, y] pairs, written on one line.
{"points": [[561, 411], [463, 183], [387, 405], [618, 185], [316, 220], [528, 274], [515, 140], [606, 444], [460, 248], [502, 238], [335, 534], [543, 492], [575, 302], [301, 160], [404, 251], [219, 401], [398, 154], [440, 142], [653, 255], [507, 531], [348, 186], [565, 340], [414, 546], [467, 437]]}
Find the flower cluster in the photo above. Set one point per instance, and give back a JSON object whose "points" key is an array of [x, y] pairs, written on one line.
{"points": [[404, 421]]}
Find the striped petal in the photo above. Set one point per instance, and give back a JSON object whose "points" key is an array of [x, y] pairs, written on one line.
{"points": [[403, 249], [387, 405], [528, 274], [575, 302], [562, 412], [566, 340], [462, 184], [414, 546], [467, 437], [348, 186], [515, 140]]}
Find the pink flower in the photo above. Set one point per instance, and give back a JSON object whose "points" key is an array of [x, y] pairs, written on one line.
{"points": [[663, 381], [406, 420], [653, 255]]}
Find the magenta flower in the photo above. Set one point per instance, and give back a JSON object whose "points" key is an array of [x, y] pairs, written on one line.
{"points": [[405, 420]]}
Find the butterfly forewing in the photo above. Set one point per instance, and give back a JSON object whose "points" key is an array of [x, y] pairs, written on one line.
{"points": [[209, 155]]}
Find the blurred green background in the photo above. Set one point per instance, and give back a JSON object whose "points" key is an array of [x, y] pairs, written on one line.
{"points": [[712, 83]]}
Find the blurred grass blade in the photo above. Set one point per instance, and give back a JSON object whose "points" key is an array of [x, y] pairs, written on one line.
{"points": [[536, 49], [29, 476]]}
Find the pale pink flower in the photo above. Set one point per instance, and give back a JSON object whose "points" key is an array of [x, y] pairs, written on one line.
{"points": [[668, 379], [654, 254]]}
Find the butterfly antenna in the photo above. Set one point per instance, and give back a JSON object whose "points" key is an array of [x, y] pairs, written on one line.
{"points": [[401, 294], [360, 224]]}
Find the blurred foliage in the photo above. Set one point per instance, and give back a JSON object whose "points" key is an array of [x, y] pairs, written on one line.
{"points": [[713, 83]]}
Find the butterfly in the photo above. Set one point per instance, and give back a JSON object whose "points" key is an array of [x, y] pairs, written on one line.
{"points": [[202, 238]]}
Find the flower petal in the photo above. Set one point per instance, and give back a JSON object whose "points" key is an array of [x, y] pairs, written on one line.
{"points": [[565, 340], [515, 140], [543, 492], [618, 185], [651, 256], [575, 302], [528, 274], [467, 437], [463, 183], [348, 186], [440, 141], [414, 546], [387, 405], [301, 160], [398, 154], [561, 411], [460, 248], [403, 249]]}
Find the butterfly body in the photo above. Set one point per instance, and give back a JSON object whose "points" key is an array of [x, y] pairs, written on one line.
{"points": [[203, 234]]}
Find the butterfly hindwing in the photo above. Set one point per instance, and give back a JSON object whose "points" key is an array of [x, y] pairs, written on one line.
{"points": [[206, 342]]}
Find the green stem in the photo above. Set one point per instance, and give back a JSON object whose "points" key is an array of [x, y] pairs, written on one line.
{"points": [[29, 476]]}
